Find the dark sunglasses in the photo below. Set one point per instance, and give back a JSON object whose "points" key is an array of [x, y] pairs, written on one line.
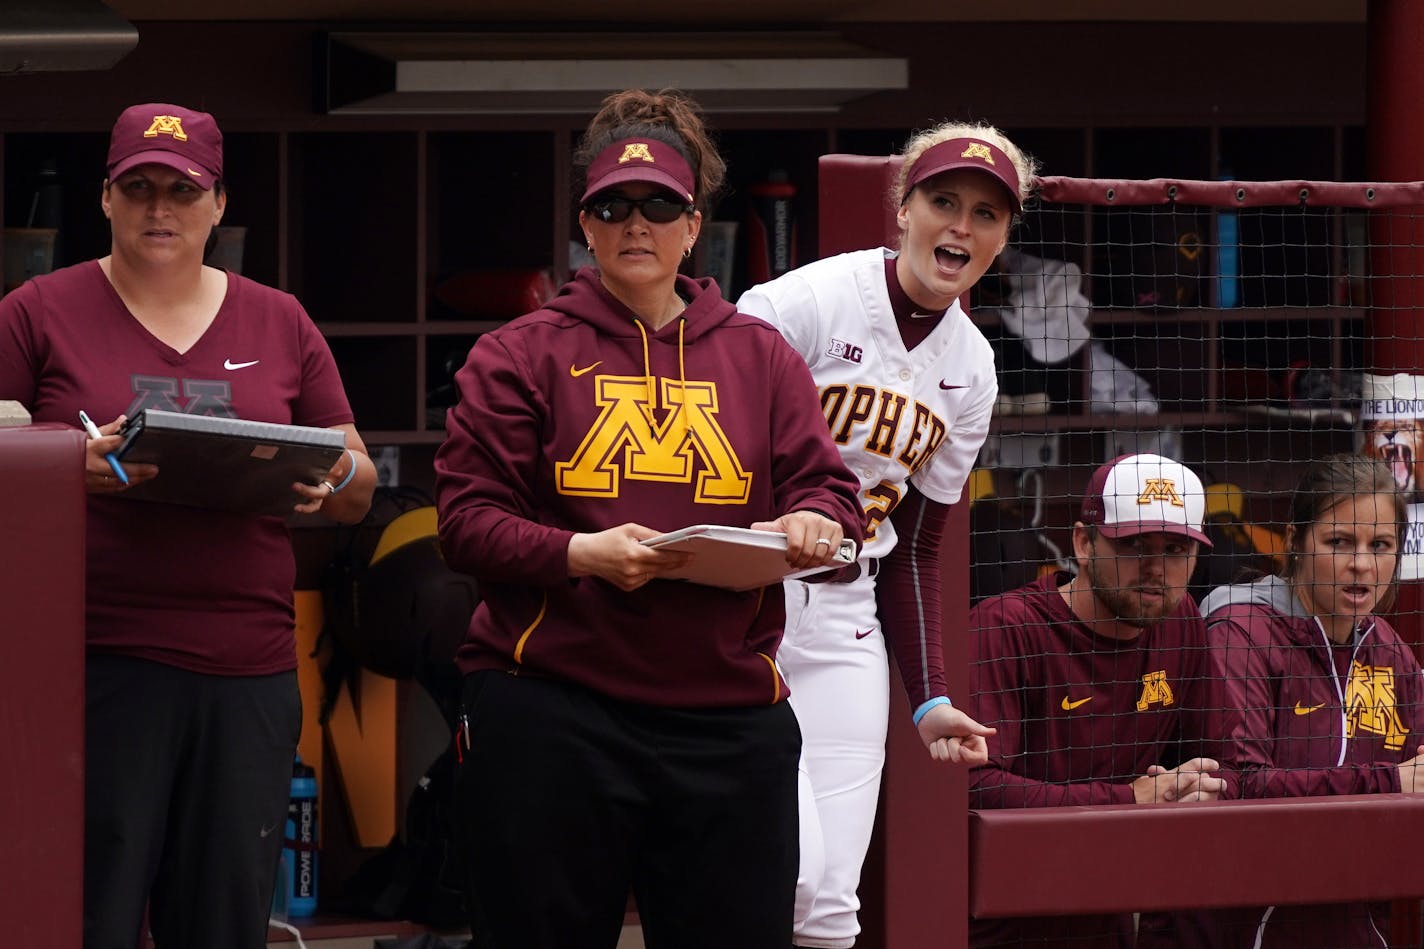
{"points": [[656, 210]]}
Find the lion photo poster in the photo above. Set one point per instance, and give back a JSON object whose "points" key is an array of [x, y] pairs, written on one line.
{"points": [[1392, 430]]}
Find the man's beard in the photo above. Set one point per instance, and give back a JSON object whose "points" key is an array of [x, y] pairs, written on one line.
{"points": [[1125, 604]]}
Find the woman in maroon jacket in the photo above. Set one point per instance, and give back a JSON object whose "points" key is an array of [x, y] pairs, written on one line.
{"points": [[1330, 694], [624, 731]]}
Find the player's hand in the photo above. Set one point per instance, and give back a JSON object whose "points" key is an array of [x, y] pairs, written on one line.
{"points": [[950, 735], [617, 556], [1189, 781], [1411, 773], [99, 477], [811, 539], [316, 497], [313, 496]]}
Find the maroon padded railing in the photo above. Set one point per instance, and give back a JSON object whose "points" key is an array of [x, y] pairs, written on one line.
{"points": [[42, 517], [1125, 857], [1231, 194]]}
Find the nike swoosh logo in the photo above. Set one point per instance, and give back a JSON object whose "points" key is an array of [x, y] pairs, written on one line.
{"points": [[860, 635], [230, 365], [266, 831], [195, 174], [1307, 709], [946, 385], [575, 372], [1069, 706]]}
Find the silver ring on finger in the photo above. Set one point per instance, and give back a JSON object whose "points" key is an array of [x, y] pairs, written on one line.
{"points": [[330, 488], [823, 540]]}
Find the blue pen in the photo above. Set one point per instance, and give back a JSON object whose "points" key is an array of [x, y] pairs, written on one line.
{"points": [[94, 432]]}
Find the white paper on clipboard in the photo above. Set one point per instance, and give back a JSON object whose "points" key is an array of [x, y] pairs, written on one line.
{"points": [[738, 558]]}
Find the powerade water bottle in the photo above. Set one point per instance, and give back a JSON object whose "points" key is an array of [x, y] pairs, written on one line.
{"points": [[301, 845]]}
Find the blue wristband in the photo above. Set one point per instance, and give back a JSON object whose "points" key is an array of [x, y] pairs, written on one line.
{"points": [[349, 475], [925, 707]]}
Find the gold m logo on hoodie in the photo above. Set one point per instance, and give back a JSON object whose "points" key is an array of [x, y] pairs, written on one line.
{"points": [[624, 441], [1371, 705]]}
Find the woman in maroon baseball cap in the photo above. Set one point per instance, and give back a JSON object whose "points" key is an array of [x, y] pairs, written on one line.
{"points": [[622, 730], [192, 707]]}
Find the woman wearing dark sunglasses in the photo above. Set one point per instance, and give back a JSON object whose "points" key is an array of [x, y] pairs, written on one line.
{"points": [[622, 731], [908, 386]]}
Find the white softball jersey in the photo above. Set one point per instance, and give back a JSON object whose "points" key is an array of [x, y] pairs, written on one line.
{"points": [[897, 416]]}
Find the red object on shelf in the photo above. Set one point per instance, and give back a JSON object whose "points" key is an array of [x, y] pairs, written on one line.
{"points": [[496, 294]]}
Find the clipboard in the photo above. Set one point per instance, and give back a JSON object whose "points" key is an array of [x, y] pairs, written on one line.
{"points": [[738, 558], [226, 464]]}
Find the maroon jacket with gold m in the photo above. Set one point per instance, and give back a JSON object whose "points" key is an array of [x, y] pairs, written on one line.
{"points": [[576, 418]]}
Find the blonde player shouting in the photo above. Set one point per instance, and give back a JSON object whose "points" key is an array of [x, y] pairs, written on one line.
{"points": [[907, 386]]}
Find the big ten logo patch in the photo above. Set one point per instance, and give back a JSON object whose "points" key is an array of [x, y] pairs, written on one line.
{"points": [[840, 349]]}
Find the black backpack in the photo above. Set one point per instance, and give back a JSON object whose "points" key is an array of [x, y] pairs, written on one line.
{"points": [[401, 612], [421, 877]]}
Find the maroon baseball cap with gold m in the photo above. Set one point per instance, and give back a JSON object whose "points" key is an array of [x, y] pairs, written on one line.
{"points": [[159, 133]]}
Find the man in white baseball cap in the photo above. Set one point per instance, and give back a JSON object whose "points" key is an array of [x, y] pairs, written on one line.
{"points": [[1148, 509], [1100, 683]]}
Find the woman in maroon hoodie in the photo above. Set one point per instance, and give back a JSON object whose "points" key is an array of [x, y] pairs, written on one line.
{"points": [[623, 731], [1330, 694]]}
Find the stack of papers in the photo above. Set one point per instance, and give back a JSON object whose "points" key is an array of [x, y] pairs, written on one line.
{"points": [[738, 558]]}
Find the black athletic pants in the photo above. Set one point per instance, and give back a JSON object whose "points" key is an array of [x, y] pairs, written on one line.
{"points": [[568, 800], [186, 782]]}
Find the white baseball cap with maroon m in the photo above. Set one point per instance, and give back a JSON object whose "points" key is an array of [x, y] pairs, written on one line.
{"points": [[1145, 494]]}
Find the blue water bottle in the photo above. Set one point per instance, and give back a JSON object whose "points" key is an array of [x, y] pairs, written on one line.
{"points": [[1228, 257], [301, 844]]}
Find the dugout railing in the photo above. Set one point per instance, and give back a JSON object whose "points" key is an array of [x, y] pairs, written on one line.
{"points": [[1250, 312], [1241, 317], [42, 520]]}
